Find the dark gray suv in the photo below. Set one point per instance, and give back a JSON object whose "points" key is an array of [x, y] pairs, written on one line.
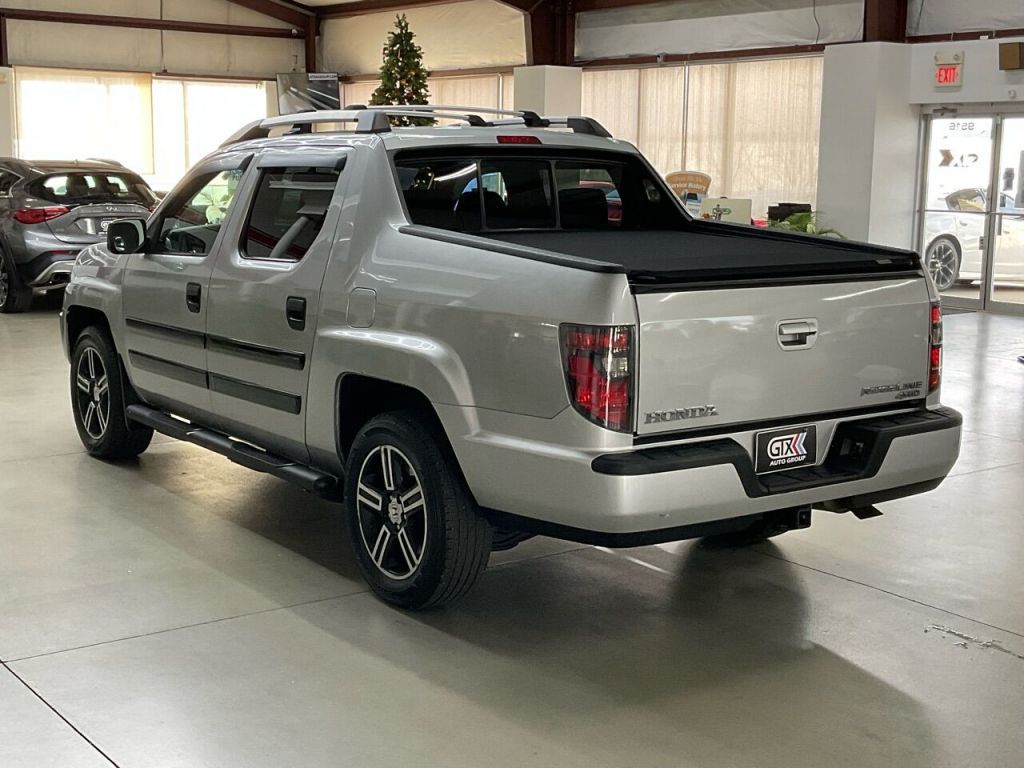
{"points": [[49, 211]]}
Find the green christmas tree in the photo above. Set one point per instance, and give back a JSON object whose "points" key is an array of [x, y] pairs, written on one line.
{"points": [[403, 78]]}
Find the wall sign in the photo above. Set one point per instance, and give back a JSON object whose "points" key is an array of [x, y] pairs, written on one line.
{"points": [[948, 69], [687, 182]]}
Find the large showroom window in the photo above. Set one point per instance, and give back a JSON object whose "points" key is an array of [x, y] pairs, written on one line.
{"points": [[192, 117], [68, 114], [751, 125]]}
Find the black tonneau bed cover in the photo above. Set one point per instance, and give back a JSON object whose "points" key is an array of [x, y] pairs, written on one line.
{"points": [[712, 251]]}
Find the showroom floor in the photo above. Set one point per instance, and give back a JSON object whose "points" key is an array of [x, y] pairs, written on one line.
{"points": [[182, 611]]}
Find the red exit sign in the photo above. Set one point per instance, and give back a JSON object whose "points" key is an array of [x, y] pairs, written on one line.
{"points": [[947, 75]]}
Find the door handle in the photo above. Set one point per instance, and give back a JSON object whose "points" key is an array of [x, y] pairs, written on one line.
{"points": [[295, 311], [193, 297], [797, 334]]}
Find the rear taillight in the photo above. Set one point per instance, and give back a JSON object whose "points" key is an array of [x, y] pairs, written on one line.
{"points": [[599, 371], [39, 215], [935, 349]]}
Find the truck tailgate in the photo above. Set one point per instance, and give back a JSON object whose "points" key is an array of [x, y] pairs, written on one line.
{"points": [[714, 357]]}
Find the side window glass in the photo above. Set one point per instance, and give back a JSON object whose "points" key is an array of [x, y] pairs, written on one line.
{"points": [[441, 193], [288, 212], [6, 181], [191, 226]]}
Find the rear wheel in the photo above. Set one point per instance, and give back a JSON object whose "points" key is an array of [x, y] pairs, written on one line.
{"points": [[943, 260], [418, 537], [98, 400], [506, 538], [14, 295]]}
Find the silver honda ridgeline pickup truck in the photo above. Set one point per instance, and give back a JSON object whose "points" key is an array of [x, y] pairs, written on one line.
{"points": [[499, 328]]}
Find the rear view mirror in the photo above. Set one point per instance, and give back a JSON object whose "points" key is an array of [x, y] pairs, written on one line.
{"points": [[126, 235]]}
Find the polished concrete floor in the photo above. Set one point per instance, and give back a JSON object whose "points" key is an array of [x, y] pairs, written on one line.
{"points": [[181, 611]]}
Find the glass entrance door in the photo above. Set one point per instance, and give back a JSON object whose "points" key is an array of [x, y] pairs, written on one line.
{"points": [[1007, 258], [958, 182], [972, 217]]}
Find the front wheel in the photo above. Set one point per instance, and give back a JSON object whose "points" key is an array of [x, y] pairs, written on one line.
{"points": [[418, 537], [943, 260], [98, 400]]}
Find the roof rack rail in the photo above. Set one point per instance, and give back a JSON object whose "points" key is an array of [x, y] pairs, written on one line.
{"points": [[106, 161], [375, 119]]}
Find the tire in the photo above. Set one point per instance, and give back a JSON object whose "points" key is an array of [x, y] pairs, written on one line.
{"points": [[15, 296], [942, 257], [505, 538], [419, 539], [98, 399]]}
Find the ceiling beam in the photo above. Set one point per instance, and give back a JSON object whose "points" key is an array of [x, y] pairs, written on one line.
{"points": [[166, 25], [551, 33], [885, 21], [289, 13], [582, 6], [363, 7], [310, 32]]}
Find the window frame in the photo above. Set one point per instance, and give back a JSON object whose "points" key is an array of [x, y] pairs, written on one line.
{"points": [[549, 154], [262, 169], [15, 178], [185, 191]]}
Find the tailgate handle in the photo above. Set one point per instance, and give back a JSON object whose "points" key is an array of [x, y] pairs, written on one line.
{"points": [[798, 334]]}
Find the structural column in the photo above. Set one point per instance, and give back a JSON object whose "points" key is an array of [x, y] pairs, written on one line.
{"points": [[868, 147], [549, 90], [7, 112]]}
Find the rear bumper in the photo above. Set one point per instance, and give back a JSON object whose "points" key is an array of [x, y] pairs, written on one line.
{"points": [[48, 268], [680, 491]]}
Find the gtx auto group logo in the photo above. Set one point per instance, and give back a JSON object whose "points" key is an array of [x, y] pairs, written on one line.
{"points": [[787, 449]]}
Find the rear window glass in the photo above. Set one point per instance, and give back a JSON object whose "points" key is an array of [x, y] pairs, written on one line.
{"points": [[92, 187], [528, 193]]}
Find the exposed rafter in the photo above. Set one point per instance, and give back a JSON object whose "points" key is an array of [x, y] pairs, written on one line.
{"points": [[581, 6], [363, 7], [169, 25], [290, 13], [885, 21]]}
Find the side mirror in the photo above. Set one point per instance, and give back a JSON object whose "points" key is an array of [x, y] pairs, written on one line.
{"points": [[126, 235]]}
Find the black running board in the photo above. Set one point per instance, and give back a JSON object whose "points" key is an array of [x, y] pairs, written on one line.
{"points": [[249, 456]]}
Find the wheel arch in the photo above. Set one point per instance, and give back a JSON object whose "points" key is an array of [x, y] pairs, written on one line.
{"points": [[951, 238], [359, 398], [77, 318]]}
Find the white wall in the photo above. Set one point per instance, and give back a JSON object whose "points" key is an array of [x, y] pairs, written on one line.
{"points": [[460, 35], [690, 26], [983, 81], [47, 44], [932, 17], [868, 153]]}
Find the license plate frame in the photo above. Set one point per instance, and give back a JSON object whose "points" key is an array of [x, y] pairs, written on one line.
{"points": [[778, 450]]}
